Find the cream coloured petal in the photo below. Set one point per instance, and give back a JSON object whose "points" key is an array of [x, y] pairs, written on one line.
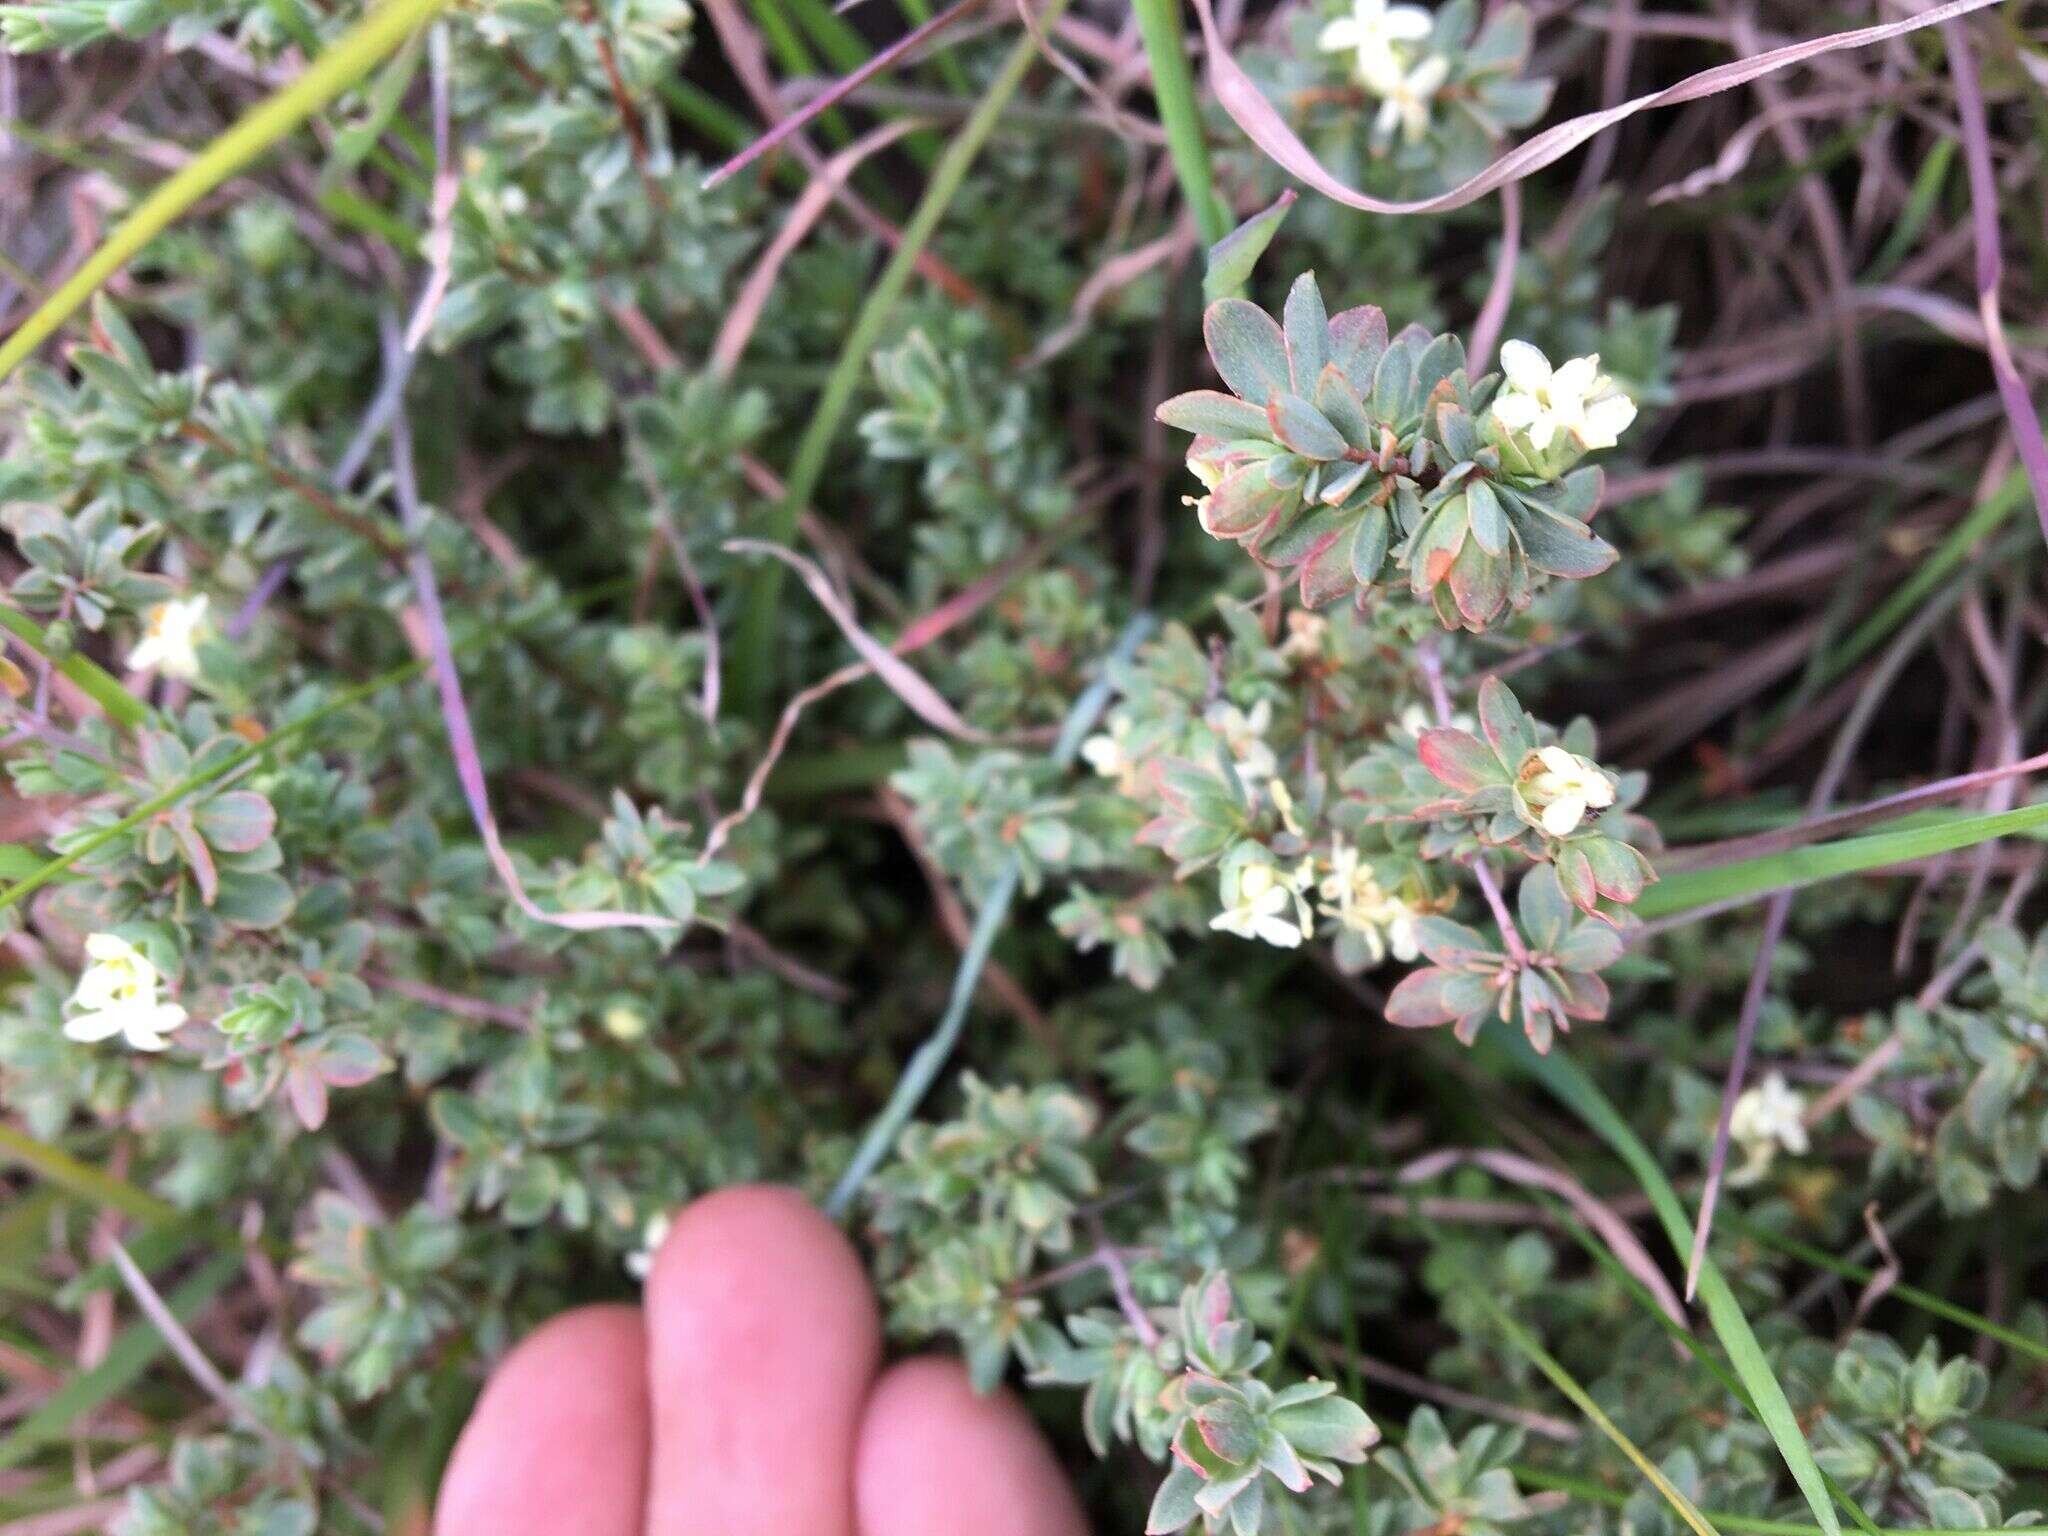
{"points": [[1542, 431], [1557, 760], [1598, 791], [1562, 816], [1515, 411], [97, 988], [90, 1028], [1606, 420], [1407, 23], [1401, 934], [1340, 34], [1428, 76], [1379, 70], [1280, 933], [107, 946], [1527, 369], [1574, 378]]}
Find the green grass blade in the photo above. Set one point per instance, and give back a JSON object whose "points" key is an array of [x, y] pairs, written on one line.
{"points": [[2014, 1445], [755, 643], [94, 681], [1912, 1295], [1983, 520], [1582, 1400], [1794, 867], [924, 1065], [1173, 86], [133, 1351], [351, 58], [1737, 1524], [194, 782], [82, 1179], [1567, 1082], [917, 13]]}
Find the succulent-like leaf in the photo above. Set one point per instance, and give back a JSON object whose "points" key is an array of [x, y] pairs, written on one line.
{"points": [[1306, 325], [1247, 348], [1211, 413]]}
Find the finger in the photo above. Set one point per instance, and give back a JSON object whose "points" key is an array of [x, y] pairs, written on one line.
{"points": [[936, 1459], [558, 1441], [762, 1340]]}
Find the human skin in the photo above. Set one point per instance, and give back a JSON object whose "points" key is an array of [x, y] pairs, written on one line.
{"points": [[746, 1397]]}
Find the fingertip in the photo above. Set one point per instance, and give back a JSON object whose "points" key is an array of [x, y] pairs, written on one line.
{"points": [[559, 1439], [760, 1320], [936, 1458]]}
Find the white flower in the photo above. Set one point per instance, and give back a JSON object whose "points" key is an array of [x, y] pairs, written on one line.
{"points": [[625, 1021], [1406, 97], [1306, 633], [1374, 29], [1417, 718], [640, 1262], [1109, 754], [1104, 751], [1383, 923], [168, 638], [1766, 1117], [1563, 787], [117, 995], [1264, 902], [1243, 734], [1575, 399]]}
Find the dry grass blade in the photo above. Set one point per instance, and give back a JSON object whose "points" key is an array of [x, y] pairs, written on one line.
{"points": [[818, 195], [469, 768], [884, 60], [1616, 1233], [919, 696], [2012, 389], [1248, 107]]}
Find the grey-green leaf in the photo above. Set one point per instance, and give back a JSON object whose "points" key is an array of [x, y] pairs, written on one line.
{"points": [[1232, 258], [1247, 348]]}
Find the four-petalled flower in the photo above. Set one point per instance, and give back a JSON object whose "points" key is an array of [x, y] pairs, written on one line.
{"points": [[1561, 787], [170, 638], [117, 995], [1405, 98], [1261, 901]]}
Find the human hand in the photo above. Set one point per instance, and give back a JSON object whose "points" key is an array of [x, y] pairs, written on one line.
{"points": [[743, 1398]]}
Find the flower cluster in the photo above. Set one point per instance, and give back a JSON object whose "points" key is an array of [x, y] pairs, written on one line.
{"points": [[1382, 39], [1342, 453]]}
